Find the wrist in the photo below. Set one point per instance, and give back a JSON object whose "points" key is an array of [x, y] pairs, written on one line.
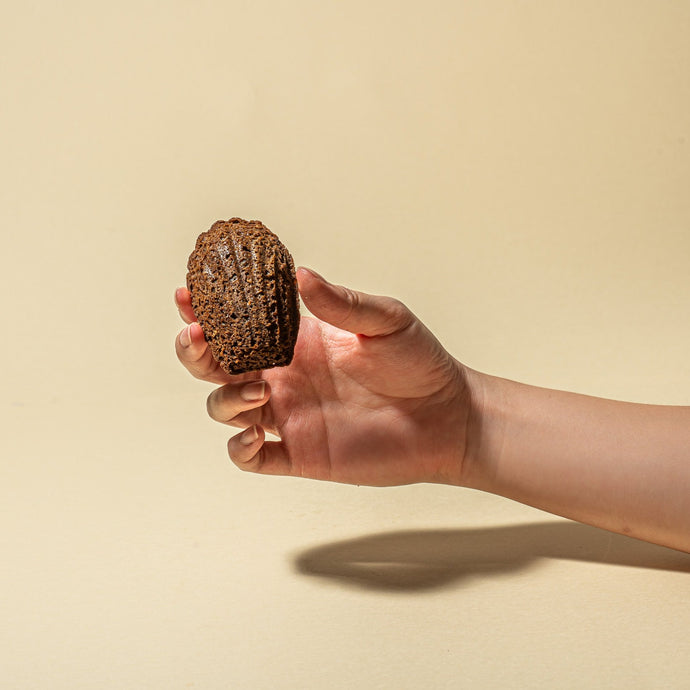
{"points": [[484, 432]]}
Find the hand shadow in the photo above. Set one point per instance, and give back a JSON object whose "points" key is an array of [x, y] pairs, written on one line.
{"points": [[433, 559]]}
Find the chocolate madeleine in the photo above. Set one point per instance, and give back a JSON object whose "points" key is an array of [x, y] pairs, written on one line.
{"points": [[244, 295]]}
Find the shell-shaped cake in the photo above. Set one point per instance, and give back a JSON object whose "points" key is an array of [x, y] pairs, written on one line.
{"points": [[244, 294]]}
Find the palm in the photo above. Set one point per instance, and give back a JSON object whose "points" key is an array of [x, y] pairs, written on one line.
{"points": [[363, 410]]}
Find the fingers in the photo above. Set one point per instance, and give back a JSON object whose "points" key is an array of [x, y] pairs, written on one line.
{"points": [[356, 312], [244, 406], [238, 402], [246, 446], [241, 405], [183, 300], [195, 355], [191, 346], [251, 452]]}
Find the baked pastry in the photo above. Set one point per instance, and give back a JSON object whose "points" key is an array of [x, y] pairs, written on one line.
{"points": [[244, 295]]}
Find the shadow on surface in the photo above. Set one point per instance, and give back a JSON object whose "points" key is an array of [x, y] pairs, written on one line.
{"points": [[434, 559]]}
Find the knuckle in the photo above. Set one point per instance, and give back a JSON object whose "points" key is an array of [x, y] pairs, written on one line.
{"points": [[352, 299], [197, 373], [400, 314], [192, 366], [352, 296]]}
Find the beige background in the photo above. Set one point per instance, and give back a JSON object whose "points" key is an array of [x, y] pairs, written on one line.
{"points": [[517, 172]]}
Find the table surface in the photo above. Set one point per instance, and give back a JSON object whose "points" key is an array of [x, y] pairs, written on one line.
{"points": [[516, 173]]}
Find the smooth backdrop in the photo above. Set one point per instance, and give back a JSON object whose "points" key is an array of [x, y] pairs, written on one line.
{"points": [[516, 172]]}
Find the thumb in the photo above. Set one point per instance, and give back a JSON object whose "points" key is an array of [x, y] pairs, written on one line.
{"points": [[350, 310]]}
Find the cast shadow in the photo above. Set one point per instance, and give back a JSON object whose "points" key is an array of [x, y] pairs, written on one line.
{"points": [[418, 560]]}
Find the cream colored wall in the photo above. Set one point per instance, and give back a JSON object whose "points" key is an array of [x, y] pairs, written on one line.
{"points": [[517, 172]]}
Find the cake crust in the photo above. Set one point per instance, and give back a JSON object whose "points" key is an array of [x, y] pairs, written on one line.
{"points": [[242, 282]]}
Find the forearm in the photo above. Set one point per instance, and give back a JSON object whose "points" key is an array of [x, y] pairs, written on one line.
{"points": [[621, 466]]}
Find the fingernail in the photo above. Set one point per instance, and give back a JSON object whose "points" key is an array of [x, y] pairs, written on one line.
{"points": [[249, 436], [253, 391], [313, 273], [185, 337]]}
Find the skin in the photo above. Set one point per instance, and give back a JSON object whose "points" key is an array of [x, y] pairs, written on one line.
{"points": [[372, 398]]}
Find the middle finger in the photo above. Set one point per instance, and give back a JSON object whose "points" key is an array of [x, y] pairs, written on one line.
{"points": [[241, 404]]}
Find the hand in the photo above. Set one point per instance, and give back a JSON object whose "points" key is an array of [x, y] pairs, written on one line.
{"points": [[371, 397]]}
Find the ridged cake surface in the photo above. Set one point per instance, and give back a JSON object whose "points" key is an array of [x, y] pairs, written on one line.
{"points": [[244, 294]]}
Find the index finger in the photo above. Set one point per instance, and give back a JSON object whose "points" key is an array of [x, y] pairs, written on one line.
{"points": [[195, 355], [183, 300]]}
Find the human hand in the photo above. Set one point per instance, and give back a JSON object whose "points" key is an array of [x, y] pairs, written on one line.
{"points": [[371, 397]]}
